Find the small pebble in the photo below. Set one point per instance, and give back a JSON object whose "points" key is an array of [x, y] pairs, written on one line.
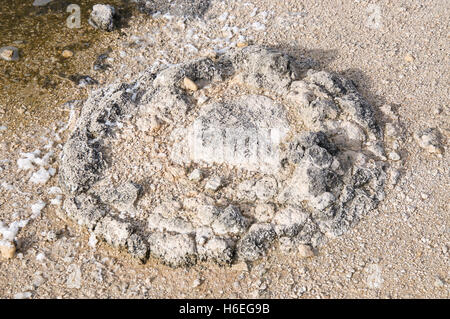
{"points": [[438, 283], [7, 250], [190, 85], [305, 251], [430, 140], [38, 280], [241, 266], [437, 110], [51, 236], [196, 283], [103, 17], [23, 295], [9, 53], [394, 156], [40, 257], [394, 177], [74, 277], [202, 99], [196, 175], [409, 58], [214, 183], [67, 54]]}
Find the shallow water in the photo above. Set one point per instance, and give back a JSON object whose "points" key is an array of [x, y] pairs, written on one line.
{"points": [[41, 34]]}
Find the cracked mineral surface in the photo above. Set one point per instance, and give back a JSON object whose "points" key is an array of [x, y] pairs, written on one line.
{"points": [[220, 158]]}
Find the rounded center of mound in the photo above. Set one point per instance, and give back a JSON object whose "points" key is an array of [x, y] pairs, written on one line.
{"points": [[245, 132]]}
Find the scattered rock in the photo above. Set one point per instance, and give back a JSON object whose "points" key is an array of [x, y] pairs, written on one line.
{"points": [[40, 257], [99, 64], [437, 110], [7, 249], [38, 280], [241, 267], [439, 283], [394, 177], [9, 53], [23, 295], [103, 17], [213, 183], [74, 277], [305, 251], [430, 140], [197, 282], [196, 175], [394, 156], [67, 54], [190, 85], [409, 58], [51, 236], [374, 278]]}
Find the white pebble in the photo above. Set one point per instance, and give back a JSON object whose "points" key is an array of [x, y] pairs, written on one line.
{"points": [[394, 156], [40, 177], [23, 295], [40, 257], [213, 183], [92, 240], [37, 208]]}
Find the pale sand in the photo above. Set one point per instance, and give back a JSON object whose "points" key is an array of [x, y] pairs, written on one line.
{"points": [[400, 251]]}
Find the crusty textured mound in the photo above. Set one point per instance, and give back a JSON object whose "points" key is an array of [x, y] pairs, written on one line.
{"points": [[221, 158], [184, 8]]}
